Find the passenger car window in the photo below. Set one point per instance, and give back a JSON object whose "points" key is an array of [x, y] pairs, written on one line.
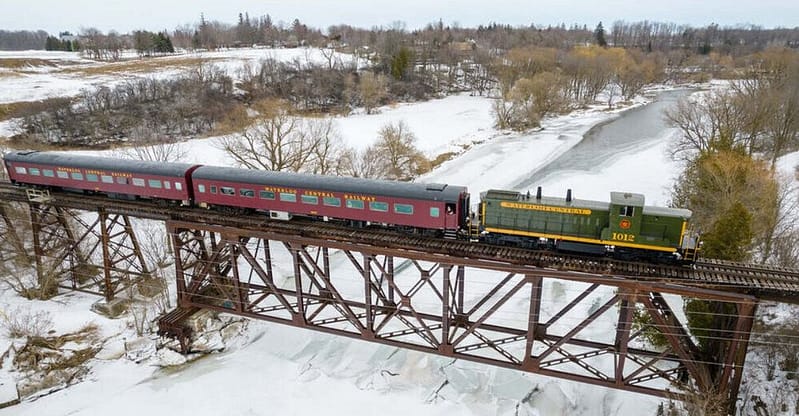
{"points": [[178, 186], [310, 199], [78, 176], [354, 203], [48, 172], [91, 177], [138, 182], [226, 190], [288, 197], [154, 183], [34, 171], [403, 209], [331, 201], [21, 170], [247, 193], [122, 180], [266, 195], [201, 188], [378, 206], [62, 174], [107, 179]]}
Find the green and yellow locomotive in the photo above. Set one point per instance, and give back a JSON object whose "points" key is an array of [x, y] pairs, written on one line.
{"points": [[624, 228]]}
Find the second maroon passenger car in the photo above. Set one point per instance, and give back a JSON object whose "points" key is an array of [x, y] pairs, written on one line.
{"points": [[284, 194]]}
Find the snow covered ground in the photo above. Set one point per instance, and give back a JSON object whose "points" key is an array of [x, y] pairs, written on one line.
{"points": [[60, 74], [277, 370]]}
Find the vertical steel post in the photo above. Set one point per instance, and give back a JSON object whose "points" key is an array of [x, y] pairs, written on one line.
{"points": [[369, 330], [533, 317]]}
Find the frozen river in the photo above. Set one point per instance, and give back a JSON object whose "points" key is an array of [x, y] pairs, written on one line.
{"points": [[607, 142]]}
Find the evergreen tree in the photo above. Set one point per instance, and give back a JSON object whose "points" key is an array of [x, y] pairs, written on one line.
{"points": [[599, 35], [401, 63]]}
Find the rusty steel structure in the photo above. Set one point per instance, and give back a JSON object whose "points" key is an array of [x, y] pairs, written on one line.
{"points": [[527, 318], [95, 252]]}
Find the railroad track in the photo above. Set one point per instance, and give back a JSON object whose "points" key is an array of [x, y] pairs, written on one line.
{"points": [[759, 280]]}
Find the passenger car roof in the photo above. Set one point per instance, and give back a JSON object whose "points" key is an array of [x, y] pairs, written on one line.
{"points": [[101, 163], [433, 192]]}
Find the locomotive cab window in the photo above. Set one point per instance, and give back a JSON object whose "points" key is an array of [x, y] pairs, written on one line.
{"points": [[21, 170], [626, 211], [266, 195], [226, 190], [450, 209], [355, 204], [435, 212]]}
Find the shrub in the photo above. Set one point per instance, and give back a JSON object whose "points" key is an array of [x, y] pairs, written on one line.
{"points": [[24, 323]]}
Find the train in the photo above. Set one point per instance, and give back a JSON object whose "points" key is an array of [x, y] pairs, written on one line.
{"points": [[623, 228]]}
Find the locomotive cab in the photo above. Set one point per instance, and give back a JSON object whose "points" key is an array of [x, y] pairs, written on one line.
{"points": [[626, 212]]}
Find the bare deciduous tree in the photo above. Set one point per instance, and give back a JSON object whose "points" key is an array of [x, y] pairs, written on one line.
{"points": [[328, 147], [363, 164], [163, 152], [714, 121], [372, 89], [279, 141], [396, 146]]}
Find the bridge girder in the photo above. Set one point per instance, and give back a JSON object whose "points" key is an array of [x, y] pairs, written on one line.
{"points": [[463, 308]]}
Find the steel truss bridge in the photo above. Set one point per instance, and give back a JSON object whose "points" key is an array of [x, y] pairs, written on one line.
{"points": [[533, 311]]}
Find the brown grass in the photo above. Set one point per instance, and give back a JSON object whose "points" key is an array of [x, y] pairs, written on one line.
{"points": [[443, 157], [21, 63], [21, 109], [138, 66]]}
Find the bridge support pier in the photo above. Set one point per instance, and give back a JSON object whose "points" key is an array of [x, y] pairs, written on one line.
{"points": [[99, 255], [599, 329]]}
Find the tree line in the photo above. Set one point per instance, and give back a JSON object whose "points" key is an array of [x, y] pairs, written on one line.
{"points": [[139, 111]]}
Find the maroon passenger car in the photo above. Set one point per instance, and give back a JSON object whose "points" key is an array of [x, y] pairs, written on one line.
{"points": [[115, 177], [284, 194]]}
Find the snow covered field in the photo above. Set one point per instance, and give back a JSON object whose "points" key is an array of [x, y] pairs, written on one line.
{"points": [[274, 370]]}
